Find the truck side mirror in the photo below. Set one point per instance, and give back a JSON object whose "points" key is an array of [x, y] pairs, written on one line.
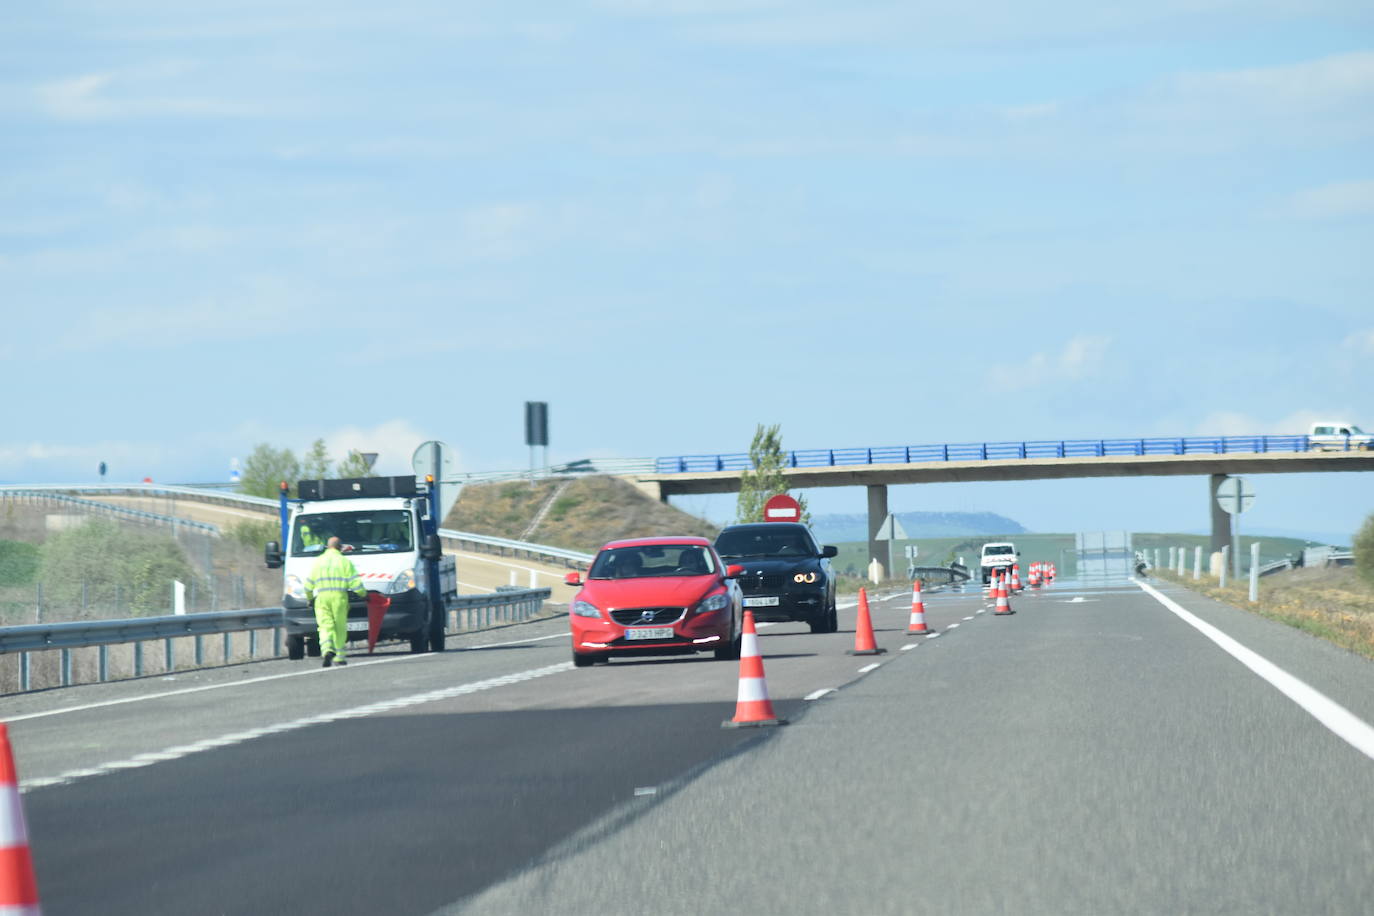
{"points": [[272, 555], [430, 548], [830, 550]]}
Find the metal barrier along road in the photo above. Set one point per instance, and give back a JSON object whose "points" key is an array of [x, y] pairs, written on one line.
{"points": [[467, 612], [995, 451]]}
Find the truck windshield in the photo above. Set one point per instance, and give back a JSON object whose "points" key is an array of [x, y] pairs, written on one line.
{"points": [[998, 550], [378, 531]]}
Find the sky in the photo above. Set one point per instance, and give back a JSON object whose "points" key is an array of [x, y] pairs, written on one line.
{"points": [[873, 223]]}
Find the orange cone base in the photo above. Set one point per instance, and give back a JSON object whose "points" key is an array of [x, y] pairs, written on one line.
{"points": [[865, 651], [1007, 613], [753, 724], [918, 630]]}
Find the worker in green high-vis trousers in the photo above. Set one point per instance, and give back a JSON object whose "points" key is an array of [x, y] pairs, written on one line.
{"points": [[331, 579]]}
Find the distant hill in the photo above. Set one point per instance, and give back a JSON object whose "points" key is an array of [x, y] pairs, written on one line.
{"points": [[833, 529]]}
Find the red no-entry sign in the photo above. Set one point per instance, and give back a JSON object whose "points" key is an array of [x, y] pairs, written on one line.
{"points": [[781, 508]]}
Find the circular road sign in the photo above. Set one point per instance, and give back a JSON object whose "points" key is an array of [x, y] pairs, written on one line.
{"points": [[781, 508], [434, 457], [1234, 495]]}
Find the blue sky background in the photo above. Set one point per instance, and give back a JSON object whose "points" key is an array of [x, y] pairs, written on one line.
{"points": [[231, 223]]}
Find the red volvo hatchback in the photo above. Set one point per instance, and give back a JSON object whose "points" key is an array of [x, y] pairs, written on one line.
{"points": [[656, 596]]}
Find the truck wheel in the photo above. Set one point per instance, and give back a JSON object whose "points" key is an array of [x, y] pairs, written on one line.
{"points": [[295, 648], [419, 641], [312, 646], [436, 639]]}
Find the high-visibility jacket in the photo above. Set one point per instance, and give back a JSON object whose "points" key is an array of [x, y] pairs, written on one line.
{"points": [[333, 573]]}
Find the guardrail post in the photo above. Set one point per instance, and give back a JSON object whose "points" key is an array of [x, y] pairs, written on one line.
{"points": [[1197, 562], [104, 664], [138, 659], [24, 671], [1254, 570], [168, 654], [200, 652], [66, 667], [252, 643], [276, 642], [228, 647]]}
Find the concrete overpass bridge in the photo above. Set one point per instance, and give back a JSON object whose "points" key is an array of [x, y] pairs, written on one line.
{"points": [[1215, 458]]}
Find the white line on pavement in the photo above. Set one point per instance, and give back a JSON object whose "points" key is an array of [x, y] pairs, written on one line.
{"points": [[970, 617], [867, 668], [817, 694], [952, 626], [909, 646], [356, 712], [1344, 723], [358, 663]]}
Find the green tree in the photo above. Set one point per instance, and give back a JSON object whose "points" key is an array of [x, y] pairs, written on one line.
{"points": [[315, 465], [124, 569], [1364, 550], [355, 465], [766, 479], [266, 468]]}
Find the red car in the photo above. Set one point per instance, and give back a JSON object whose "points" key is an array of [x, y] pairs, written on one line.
{"points": [[656, 596]]}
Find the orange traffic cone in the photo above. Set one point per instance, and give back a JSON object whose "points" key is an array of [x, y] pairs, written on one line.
{"points": [[1003, 602], [753, 706], [863, 630], [1033, 577], [18, 886], [1016, 577], [918, 610]]}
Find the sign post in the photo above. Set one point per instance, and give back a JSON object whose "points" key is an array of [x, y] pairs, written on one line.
{"points": [[1234, 495], [434, 457]]}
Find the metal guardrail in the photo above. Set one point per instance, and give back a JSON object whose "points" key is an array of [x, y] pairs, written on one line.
{"points": [[110, 509], [940, 575], [481, 542], [998, 451], [1274, 567]]}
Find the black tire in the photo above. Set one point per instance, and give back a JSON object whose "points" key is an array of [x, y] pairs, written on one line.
{"points": [[583, 661], [833, 626], [731, 650], [419, 641], [312, 646], [295, 648], [436, 631]]}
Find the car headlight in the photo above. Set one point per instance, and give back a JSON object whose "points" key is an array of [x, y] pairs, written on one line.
{"points": [[806, 578], [585, 609], [295, 587], [404, 582], [717, 602]]}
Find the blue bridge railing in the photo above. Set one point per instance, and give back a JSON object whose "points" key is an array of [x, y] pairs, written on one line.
{"points": [[996, 451]]}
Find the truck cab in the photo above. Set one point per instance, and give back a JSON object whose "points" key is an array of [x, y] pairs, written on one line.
{"points": [[392, 542], [1341, 435], [997, 555]]}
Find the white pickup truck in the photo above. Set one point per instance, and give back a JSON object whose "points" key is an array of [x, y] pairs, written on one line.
{"points": [[1328, 435], [998, 555]]}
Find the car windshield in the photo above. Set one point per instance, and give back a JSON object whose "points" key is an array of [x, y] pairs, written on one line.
{"points": [[652, 560], [997, 550], [1356, 431], [377, 531], [758, 542]]}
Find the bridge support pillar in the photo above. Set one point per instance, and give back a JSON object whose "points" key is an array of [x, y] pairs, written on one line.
{"points": [[1221, 520], [877, 514]]}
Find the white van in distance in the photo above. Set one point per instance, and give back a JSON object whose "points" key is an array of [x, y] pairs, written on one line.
{"points": [[1339, 435]]}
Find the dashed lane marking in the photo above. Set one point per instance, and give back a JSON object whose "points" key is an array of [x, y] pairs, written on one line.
{"points": [[867, 668], [909, 646], [817, 694], [356, 712]]}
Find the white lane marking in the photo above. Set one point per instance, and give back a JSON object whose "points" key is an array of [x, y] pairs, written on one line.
{"points": [[867, 668], [356, 712], [817, 694], [932, 635], [970, 617], [909, 646], [952, 626], [1344, 723], [981, 610], [645, 790], [358, 662]]}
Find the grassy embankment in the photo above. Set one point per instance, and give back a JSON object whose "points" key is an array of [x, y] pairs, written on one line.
{"points": [[1333, 603]]}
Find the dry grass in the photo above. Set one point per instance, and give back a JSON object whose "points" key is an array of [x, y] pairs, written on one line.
{"points": [[1332, 603], [587, 514]]}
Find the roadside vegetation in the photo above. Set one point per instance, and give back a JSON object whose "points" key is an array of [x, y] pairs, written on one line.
{"points": [[266, 468], [1335, 603]]}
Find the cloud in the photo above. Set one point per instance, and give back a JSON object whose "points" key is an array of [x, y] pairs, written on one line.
{"points": [[1334, 201], [1362, 342], [116, 95], [394, 441], [1233, 423], [1080, 358]]}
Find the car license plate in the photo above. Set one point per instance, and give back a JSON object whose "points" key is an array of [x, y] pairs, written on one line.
{"points": [[769, 601], [649, 633], [357, 626]]}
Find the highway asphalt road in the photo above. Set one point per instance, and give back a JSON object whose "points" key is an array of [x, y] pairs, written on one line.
{"points": [[1093, 753]]}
